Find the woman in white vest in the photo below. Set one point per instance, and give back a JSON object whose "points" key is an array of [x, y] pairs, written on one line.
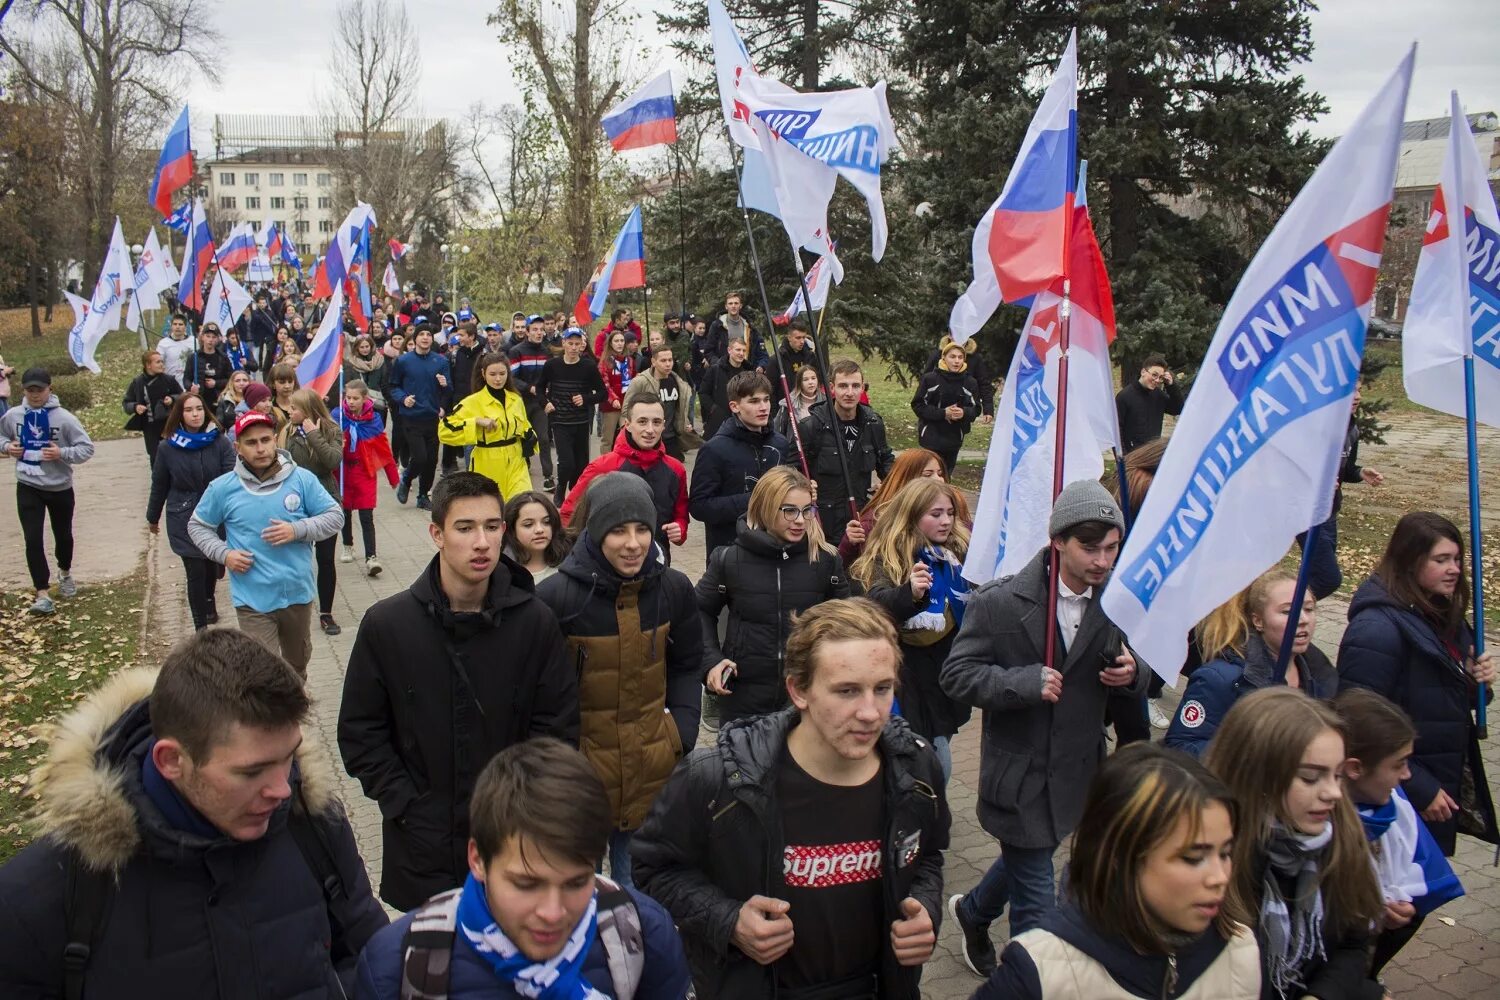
{"points": [[1148, 911]]}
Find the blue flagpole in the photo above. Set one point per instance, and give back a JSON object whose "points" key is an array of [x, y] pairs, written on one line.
{"points": [[1475, 561], [1299, 597], [1124, 489]]}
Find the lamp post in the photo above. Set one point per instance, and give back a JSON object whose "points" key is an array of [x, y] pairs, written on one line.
{"points": [[451, 253]]}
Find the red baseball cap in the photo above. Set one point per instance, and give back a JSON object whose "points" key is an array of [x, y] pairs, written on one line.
{"points": [[250, 418]]}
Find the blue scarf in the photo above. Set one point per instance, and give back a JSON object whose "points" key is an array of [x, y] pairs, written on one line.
{"points": [[239, 357], [950, 593], [558, 978], [192, 441], [36, 434], [623, 367], [176, 810]]}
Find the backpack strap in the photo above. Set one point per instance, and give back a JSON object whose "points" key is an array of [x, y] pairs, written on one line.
{"points": [[317, 853], [88, 897], [427, 948], [624, 941]]}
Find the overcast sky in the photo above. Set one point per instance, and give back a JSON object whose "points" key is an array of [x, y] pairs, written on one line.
{"points": [[276, 50]]}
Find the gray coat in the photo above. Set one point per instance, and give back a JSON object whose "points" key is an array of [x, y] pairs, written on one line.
{"points": [[1036, 759]]}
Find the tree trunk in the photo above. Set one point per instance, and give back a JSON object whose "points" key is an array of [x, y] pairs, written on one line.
{"points": [[51, 289], [34, 296], [809, 44], [1124, 196]]}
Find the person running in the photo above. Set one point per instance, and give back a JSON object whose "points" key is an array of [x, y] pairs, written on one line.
{"points": [[367, 453], [730, 463], [492, 422], [272, 513], [1410, 640], [316, 443], [802, 854], [807, 390], [1043, 725], [616, 368], [505, 677], [635, 643], [778, 567], [912, 567], [46, 441], [1264, 610], [209, 368], [195, 454], [1300, 860], [532, 918], [860, 435], [190, 842], [527, 359], [715, 386], [946, 404], [534, 535], [659, 378], [419, 387], [1148, 911], [911, 463], [148, 400], [232, 400], [1142, 405], [176, 348], [572, 387]]}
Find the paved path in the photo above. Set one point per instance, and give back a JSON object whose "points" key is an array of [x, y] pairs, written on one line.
{"points": [[1461, 960]]}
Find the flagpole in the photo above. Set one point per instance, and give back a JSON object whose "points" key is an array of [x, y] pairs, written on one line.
{"points": [[821, 350], [760, 281], [1299, 596], [1060, 442], [681, 233], [645, 291], [1475, 529], [1124, 481]]}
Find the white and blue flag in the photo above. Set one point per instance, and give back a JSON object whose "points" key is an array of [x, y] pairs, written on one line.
{"points": [[1254, 458]]}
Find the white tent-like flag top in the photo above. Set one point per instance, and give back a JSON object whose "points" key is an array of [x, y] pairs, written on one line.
{"points": [[1254, 457], [106, 303], [227, 299], [1455, 296], [151, 279]]}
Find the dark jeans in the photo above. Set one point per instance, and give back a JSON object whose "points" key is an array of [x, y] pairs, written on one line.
{"points": [[453, 457], [1020, 876], [422, 451], [32, 506], [541, 423], [152, 434], [835, 518], [328, 577], [1390, 941], [1128, 713], [950, 459], [202, 575], [572, 442], [366, 530], [398, 439], [1323, 573]]}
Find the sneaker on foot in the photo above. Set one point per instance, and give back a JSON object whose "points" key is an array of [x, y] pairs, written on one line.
{"points": [[423, 502], [66, 587], [42, 605], [548, 483], [347, 555], [978, 950], [403, 490], [212, 618], [1159, 719], [330, 627], [372, 566]]}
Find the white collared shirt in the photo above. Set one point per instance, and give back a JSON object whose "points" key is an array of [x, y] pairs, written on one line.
{"points": [[1070, 609]]}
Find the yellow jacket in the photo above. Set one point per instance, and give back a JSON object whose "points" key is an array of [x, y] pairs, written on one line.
{"points": [[496, 453]]}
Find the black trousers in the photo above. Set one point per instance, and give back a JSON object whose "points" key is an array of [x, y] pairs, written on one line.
{"points": [[366, 530], [421, 451], [398, 439], [1390, 941], [328, 575], [33, 506], [1128, 713], [540, 422], [572, 442], [202, 575], [152, 434], [674, 448], [453, 457], [950, 459]]}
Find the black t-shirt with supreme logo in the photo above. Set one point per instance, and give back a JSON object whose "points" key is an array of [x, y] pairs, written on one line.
{"points": [[833, 869]]}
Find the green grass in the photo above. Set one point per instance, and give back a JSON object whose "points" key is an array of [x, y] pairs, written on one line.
{"points": [[46, 666]]}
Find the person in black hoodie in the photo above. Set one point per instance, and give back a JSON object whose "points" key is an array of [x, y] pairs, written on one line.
{"points": [[148, 400], [732, 462], [946, 403], [1142, 405], [1147, 913], [1324, 576], [571, 387], [778, 567], [444, 675], [209, 368], [715, 386], [795, 353], [860, 433]]}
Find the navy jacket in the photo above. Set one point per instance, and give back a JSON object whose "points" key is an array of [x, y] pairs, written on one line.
{"points": [[178, 480], [416, 375], [1217, 685], [729, 465], [1393, 650], [664, 975]]}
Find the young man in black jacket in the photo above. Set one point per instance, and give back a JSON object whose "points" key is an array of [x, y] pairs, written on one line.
{"points": [[802, 853], [795, 353], [527, 358], [861, 434], [443, 676], [571, 387], [1143, 404], [732, 461], [715, 385]]}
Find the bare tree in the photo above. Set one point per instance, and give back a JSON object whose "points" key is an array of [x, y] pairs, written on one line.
{"points": [[576, 61], [114, 65]]}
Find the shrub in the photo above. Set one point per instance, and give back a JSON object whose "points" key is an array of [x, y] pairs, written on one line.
{"points": [[74, 392]]}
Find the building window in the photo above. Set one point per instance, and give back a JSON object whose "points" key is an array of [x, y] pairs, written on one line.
{"points": [[251, 180], [299, 201], [325, 180], [325, 226], [226, 179], [303, 225], [252, 202], [281, 225], [275, 180], [226, 201], [299, 180], [324, 201], [278, 202]]}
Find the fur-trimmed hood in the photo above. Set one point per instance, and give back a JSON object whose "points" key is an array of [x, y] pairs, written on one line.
{"points": [[89, 789]]}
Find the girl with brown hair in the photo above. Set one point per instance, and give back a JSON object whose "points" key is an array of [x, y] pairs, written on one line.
{"points": [[912, 463]]}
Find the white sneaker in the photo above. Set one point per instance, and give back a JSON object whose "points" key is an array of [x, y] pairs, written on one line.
{"points": [[372, 566], [42, 605], [348, 554], [1159, 719], [66, 587]]}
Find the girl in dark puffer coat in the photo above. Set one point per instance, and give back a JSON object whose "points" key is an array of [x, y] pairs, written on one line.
{"points": [[778, 565]]}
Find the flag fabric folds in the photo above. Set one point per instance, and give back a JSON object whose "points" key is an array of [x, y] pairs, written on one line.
{"points": [[646, 118], [269, 238], [398, 249], [625, 267], [324, 359], [151, 280], [825, 273], [259, 268], [104, 306], [174, 168], [350, 246], [289, 255], [1015, 499], [181, 219], [389, 280], [227, 300], [1254, 458], [238, 248], [1018, 244], [801, 186], [197, 254], [80, 315], [1455, 295]]}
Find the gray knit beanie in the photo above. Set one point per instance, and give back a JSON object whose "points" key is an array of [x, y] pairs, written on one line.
{"points": [[1084, 500], [617, 498]]}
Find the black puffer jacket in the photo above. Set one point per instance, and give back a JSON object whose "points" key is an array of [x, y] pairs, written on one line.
{"points": [[937, 391], [714, 839], [178, 480], [188, 916], [924, 703], [429, 698], [727, 468], [763, 581], [871, 454]]}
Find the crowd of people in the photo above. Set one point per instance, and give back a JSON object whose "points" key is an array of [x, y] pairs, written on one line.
{"points": [[598, 777]]}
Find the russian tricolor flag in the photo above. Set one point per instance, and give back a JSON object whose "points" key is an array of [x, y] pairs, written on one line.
{"points": [[647, 117], [271, 238], [398, 249], [238, 248], [625, 267], [1018, 244], [196, 256], [320, 367], [174, 168]]}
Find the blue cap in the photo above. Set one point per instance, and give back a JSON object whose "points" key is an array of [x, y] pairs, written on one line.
{"points": [[533, 318], [572, 331]]}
